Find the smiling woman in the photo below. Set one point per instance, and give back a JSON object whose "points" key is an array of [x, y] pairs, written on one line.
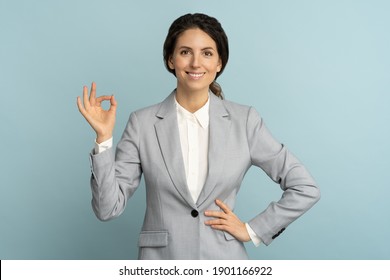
{"points": [[196, 63], [208, 28], [193, 150]]}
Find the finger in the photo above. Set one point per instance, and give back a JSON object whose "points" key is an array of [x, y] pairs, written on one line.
{"points": [[85, 98], [216, 214], [80, 105], [81, 108], [112, 100], [103, 98], [84, 112], [221, 227], [92, 96], [223, 206], [216, 222], [113, 103]]}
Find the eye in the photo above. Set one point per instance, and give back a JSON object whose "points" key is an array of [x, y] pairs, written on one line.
{"points": [[184, 52], [208, 53]]}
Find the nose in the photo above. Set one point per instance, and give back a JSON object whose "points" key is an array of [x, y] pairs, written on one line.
{"points": [[195, 62]]}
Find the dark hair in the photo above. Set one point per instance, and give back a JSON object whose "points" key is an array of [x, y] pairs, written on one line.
{"points": [[209, 25]]}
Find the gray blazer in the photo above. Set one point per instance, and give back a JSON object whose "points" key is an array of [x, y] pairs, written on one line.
{"points": [[174, 226]]}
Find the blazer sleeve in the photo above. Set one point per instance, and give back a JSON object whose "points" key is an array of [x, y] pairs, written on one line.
{"points": [[114, 181], [300, 191]]}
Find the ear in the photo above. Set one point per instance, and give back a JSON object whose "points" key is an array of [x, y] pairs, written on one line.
{"points": [[219, 66], [170, 63]]}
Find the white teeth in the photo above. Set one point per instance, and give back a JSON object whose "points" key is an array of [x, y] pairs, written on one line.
{"points": [[195, 75]]}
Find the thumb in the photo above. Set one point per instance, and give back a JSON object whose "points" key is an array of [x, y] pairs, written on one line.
{"points": [[113, 103]]}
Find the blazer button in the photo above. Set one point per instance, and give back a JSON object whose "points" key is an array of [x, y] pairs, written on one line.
{"points": [[194, 213]]}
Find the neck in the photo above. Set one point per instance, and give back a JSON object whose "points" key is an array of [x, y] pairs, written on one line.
{"points": [[192, 101]]}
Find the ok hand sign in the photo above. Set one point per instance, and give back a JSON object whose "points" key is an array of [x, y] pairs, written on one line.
{"points": [[102, 121]]}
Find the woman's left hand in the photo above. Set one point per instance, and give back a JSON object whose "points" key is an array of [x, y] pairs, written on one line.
{"points": [[227, 221]]}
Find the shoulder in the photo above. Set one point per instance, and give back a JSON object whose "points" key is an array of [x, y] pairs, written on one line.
{"points": [[241, 110], [243, 115]]}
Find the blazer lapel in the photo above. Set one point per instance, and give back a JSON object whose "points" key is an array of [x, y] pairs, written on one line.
{"points": [[218, 136], [168, 137]]}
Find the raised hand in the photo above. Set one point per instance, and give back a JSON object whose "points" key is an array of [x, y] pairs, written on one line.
{"points": [[102, 121], [227, 221]]}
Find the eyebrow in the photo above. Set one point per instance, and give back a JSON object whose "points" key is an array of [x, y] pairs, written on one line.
{"points": [[206, 48]]}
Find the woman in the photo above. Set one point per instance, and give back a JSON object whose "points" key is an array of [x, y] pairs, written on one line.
{"points": [[193, 149]]}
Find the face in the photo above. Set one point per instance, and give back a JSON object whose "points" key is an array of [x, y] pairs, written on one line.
{"points": [[195, 61]]}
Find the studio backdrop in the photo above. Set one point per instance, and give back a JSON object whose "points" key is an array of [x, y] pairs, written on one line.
{"points": [[318, 72]]}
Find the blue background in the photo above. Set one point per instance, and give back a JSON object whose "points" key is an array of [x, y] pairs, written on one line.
{"points": [[317, 71]]}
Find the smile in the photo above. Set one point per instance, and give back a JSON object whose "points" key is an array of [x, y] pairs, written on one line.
{"points": [[195, 75]]}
